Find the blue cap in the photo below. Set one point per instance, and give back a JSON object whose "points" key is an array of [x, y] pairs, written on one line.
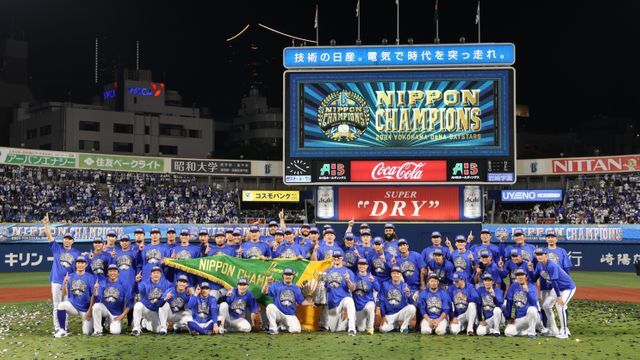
{"points": [[396, 269], [243, 281], [288, 230], [81, 258], [203, 232], [171, 230], [182, 277], [487, 276], [520, 272], [98, 240], [205, 285], [314, 230], [329, 231], [139, 230], [326, 226], [337, 253], [389, 226], [551, 233], [155, 230], [402, 242], [437, 251], [305, 225], [111, 233], [273, 223], [362, 261], [68, 235], [254, 228], [518, 231], [364, 226], [218, 233], [365, 231], [485, 231], [516, 252], [484, 253], [540, 251], [436, 234], [237, 231], [156, 268], [228, 231], [348, 235], [111, 267], [458, 275], [184, 232], [460, 238], [278, 232], [434, 276], [377, 240], [124, 238], [288, 271]]}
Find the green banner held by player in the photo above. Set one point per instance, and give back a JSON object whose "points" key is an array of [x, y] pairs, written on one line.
{"points": [[226, 270]]}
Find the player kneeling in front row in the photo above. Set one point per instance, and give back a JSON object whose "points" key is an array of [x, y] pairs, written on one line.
{"points": [[80, 301], [112, 301], [176, 299], [204, 308], [363, 297], [233, 311], [434, 304], [151, 300], [465, 299], [395, 303], [282, 312], [524, 297], [491, 300]]}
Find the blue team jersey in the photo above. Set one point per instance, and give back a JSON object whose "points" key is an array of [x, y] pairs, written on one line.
{"points": [[267, 239], [433, 303], [151, 256], [98, 265], [63, 262], [80, 288], [178, 301], [286, 251], [364, 290], [115, 296], [224, 250], [410, 267], [492, 269], [461, 298], [521, 300], [380, 268], [392, 298], [183, 252], [285, 297], [391, 247], [240, 304], [307, 249], [151, 294], [444, 271], [203, 309], [337, 287], [364, 251], [552, 276], [461, 262], [489, 302], [526, 249], [493, 249], [253, 250], [350, 258], [510, 270], [560, 257], [326, 251], [126, 263], [427, 253]]}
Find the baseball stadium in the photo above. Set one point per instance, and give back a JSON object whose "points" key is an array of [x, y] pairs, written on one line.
{"points": [[406, 213]]}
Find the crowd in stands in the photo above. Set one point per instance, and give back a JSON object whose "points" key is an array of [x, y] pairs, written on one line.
{"points": [[85, 196]]}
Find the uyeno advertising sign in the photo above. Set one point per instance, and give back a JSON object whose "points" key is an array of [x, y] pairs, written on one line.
{"points": [[531, 195], [395, 203], [399, 171]]}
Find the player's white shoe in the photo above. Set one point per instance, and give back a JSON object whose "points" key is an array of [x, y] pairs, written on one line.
{"points": [[352, 333], [60, 333], [562, 335]]}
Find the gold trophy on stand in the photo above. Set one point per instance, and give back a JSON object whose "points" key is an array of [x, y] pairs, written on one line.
{"points": [[314, 290]]}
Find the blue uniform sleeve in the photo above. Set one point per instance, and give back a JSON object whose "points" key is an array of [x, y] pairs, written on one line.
{"points": [[565, 262], [499, 298], [55, 247], [298, 294], [446, 304], [128, 297], [252, 304], [382, 301], [193, 302], [272, 290], [213, 306], [376, 284], [502, 248], [507, 313]]}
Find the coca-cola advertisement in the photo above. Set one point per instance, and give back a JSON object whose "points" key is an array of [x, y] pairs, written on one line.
{"points": [[402, 171]]}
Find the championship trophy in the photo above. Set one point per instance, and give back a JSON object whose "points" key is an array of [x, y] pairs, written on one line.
{"points": [[321, 289]]}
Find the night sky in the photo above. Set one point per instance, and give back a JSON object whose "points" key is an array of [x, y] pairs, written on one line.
{"points": [[573, 61]]}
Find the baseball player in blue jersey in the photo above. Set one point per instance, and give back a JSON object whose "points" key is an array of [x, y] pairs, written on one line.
{"points": [[520, 243], [436, 241], [524, 298], [379, 261], [175, 308], [441, 267], [276, 241], [282, 312], [239, 304], [254, 248], [557, 254], [151, 255], [203, 239], [461, 258], [204, 311], [288, 249], [64, 258], [151, 300], [556, 288], [491, 298], [363, 297], [465, 304], [138, 238], [339, 300], [112, 302], [365, 247], [324, 250], [350, 251], [183, 251], [220, 247], [110, 244], [396, 303], [271, 232], [411, 265], [508, 270], [434, 304], [172, 238], [99, 259], [390, 239], [78, 287], [486, 265], [485, 238], [308, 246]]}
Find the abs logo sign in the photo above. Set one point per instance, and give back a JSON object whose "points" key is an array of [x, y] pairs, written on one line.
{"points": [[465, 171], [331, 171]]}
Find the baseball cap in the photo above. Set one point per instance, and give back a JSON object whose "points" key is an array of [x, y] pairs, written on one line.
{"points": [[402, 242], [288, 271], [540, 251], [171, 230], [237, 231], [68, 235], [389, 226], [279, 232], [138, 231], [254, 228], [458, 275], [184, 232], [485, 231], [305, 225], [362, 261], [288, 230], [551, 233], [111, 267], [364, 226], [156, 268], [365, 231], [182, 277], [434, 276], [228, 231], [313, 230], [155, 230], [437, 251], [516, 252], [377, 240], [205, 285], [326, 226], [111, 233], [484, 253], [487, 276], [81, 258], [218, 233], [203, 232], [517, 232], [329, 231], [273, 223], [460, 238], [124, 238], [348, 235], [396, 269], [520, 272], [436, 234], [243, 281], [337, 253], [98, 240]]}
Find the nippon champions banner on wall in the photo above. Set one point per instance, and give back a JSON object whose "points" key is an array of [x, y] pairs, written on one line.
{"points": [[571, 233], [34, 233]]}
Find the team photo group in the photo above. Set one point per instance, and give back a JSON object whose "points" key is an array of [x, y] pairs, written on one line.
{"points": [[375, 283]]}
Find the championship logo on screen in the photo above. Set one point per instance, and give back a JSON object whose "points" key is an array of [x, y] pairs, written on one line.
{"points": [[343, 115]]}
